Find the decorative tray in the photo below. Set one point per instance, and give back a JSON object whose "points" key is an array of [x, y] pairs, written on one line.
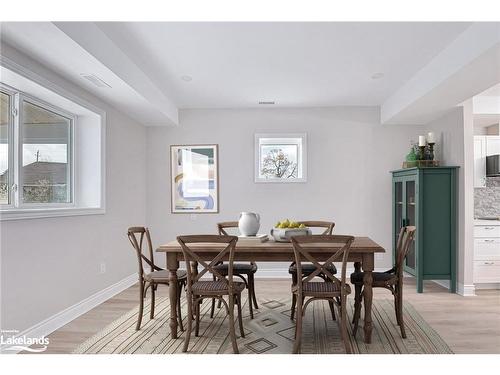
{"points": [[421, 163]]}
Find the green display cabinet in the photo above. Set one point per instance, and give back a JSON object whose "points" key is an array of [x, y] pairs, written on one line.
{"points": [[427, 199]]}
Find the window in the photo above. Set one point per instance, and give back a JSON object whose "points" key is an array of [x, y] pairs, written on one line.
{"points": [[45, 176], [36, 163], [280, 158], [52, 149], [5, 128]]}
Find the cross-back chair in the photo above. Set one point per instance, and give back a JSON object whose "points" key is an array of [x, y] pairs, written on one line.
{"points": [[308, 268], [391, 279], [199, 288], [156, 276], [335, 291], [245, 271]]}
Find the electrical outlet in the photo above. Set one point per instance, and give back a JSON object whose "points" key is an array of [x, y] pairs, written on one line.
{"points": [[102, 267]]}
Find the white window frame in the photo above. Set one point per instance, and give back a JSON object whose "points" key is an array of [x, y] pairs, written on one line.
{"points": [[89, 195], [16, 128], [71, 155], [10, 134], [282, 138]]}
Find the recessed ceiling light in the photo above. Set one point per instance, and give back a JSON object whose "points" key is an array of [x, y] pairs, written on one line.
{"points": [[267, 102], [187, 78], [377, 75]]}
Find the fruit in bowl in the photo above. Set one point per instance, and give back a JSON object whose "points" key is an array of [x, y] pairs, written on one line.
{"points": [[284, 230], [289, 224]]}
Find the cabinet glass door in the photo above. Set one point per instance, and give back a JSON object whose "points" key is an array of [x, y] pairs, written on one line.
{"points": [[410, 219], [398, 214]]}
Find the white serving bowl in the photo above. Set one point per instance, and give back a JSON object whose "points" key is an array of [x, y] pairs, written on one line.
{"points": [[285, 234]]}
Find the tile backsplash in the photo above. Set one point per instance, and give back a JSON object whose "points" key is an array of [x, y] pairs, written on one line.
{"points": [[487, 199]]}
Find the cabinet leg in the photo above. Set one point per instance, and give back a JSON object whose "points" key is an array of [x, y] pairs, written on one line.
{"points": [[453, 285], [420, 285]]}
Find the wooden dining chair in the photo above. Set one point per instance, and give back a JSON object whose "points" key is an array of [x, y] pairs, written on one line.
{"points": [[245, 271], [334, 291], [199, 288], [156, 275], [391, 280], [308, 268]]}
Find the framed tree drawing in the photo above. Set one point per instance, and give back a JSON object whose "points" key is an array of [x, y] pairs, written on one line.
{"points": [[194, 178]]}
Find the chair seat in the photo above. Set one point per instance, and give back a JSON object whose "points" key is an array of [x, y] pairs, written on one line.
{"points": [[238, 268], [217, 288], [378, 278], [308, 268], [312, 288], [163, 276]]}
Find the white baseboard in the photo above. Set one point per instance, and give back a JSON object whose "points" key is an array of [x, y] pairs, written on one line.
{"points": [[482, 286], [468, 290], [49, 325]]}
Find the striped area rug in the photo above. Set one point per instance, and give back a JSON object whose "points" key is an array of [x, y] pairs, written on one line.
{"points": [[271, 331]]}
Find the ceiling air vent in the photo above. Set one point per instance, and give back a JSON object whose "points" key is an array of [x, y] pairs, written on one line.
{"points": [[95, 80], [263, 102]]}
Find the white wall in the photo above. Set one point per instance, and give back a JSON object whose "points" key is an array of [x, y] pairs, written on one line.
{"points": [[349, 158], [47, 265]]}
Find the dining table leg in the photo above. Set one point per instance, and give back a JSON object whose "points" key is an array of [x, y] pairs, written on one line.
{"points": [[368, 264], [173, 266]]}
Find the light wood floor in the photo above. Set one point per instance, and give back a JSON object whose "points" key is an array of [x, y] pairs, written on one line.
{"points": [[467, 324]]}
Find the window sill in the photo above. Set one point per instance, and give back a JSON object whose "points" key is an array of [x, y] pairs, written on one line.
{"points": [[38, 213]]}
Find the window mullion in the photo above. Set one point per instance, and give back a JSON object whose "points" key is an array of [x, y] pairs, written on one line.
{"points": [[17, 159]]}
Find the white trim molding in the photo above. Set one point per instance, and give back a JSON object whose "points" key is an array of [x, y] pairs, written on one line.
{"points": [[463, 290], [49, 325], [466, 290], [483, 286], [21, 214]]}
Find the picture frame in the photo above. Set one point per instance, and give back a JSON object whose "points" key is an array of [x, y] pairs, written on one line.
{"points": [[280, 157], [194, 178]]}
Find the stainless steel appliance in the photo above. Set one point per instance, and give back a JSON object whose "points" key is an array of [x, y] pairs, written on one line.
{"points": [[493, 165]]}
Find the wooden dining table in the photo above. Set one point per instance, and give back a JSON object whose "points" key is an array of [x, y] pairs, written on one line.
{"points": [[362, 254]]}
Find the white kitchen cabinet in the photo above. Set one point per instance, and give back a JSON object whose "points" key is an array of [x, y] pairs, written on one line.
{"points": [[486, 251], [486, 271], [486, 230], [492, 145], [479, 161], [484, 145]]}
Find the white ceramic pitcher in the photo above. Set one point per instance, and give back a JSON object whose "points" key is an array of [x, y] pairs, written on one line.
{"points": [[249, 223]]}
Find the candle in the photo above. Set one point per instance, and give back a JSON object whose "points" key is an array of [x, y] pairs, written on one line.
{"points": [[431, 138], [421, 140]]}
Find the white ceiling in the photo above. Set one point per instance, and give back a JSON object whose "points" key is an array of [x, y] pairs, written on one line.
{"points": [[492, 91], [294, 64], [47, 44], [234, 65]]}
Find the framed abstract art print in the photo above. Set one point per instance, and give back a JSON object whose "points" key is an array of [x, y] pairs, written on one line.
{"points": [[194, 178]]}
